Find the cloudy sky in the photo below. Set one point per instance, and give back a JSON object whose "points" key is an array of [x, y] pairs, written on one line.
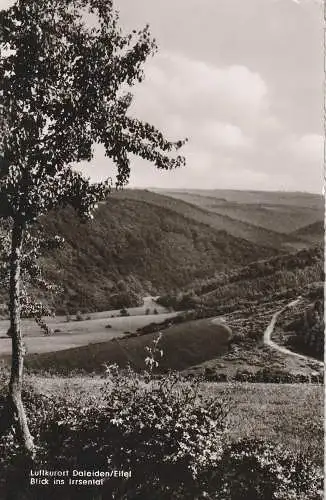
{"points": [[242, 79]]}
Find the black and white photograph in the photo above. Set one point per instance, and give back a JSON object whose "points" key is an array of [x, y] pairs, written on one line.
{"points": [[162, 249]]}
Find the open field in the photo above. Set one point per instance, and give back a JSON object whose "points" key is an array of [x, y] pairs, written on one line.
{"points": [[89, 322], [291, 414], [183, 346], [73, 334], [192, 346]]}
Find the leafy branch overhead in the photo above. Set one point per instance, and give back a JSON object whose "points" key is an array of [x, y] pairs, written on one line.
{"points": [[65, 87], [66, 70]]}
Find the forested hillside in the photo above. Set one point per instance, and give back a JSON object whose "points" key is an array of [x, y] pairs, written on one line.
{"points": [[284, 275], [189, 206], [133, 248], [141, 242], [284, 213], [313, 233], [302, 328]]}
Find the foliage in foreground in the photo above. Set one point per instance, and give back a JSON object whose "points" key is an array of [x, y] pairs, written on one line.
{"points": [[170, 435], [65, 87]]}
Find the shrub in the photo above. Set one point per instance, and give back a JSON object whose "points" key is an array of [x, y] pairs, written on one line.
{"points": [[4, 376], [238, 338], [244, 376], [124, 312], [221, 377], [172, 440], [168, 432], [79, 316], [211, 375], [161, 429], [169, 301], [258, 470], [275, 375]]}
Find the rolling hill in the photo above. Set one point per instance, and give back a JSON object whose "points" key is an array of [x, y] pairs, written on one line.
{"points": [[281, 212], [289, 198], [135, 247], [283, 276], [238, 228], [312, 233], [141, 242]]}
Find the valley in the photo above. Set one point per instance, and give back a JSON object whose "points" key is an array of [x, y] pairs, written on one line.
{"points": [[211, 275], [194, 250], [162, 322]]}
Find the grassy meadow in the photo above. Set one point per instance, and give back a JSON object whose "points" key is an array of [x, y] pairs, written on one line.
{"points": [[67, 335], [288, 414], [183, 346]]}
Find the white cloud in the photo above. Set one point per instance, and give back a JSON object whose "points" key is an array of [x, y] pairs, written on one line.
{"points": [[234, 138], [217, 134], [307, 148], [241, 90], [220, 110], [232, 94]]}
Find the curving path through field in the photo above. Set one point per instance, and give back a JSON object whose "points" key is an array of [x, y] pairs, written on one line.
{"points": [[269, 342]]}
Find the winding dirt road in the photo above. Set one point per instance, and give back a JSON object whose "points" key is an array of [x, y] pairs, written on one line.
{"points": [[269, 342]]}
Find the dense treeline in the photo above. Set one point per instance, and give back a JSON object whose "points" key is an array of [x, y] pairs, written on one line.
{"points": [[284, 276], [283, 265], [133, 248], [304, 328], [248, 230]]}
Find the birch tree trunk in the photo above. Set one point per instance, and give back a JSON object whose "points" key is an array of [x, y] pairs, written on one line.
{"points": [[16, 406]]}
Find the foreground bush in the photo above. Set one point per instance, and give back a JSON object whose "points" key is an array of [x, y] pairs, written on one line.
{"points": [[256, 470], [170, 436], [164, 431]]}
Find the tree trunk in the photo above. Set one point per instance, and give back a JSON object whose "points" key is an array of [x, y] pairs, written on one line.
{"points": [[16, 407]]}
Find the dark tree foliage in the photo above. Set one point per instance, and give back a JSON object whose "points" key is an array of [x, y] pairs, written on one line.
{"points": [[65, 87]]}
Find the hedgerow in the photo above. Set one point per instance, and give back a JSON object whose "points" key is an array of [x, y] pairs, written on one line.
{"points": [[172, 436]]}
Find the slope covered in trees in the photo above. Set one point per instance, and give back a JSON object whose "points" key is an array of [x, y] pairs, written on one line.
{"points": [[312, 233], [302, 328], [278, 212], [141, 242], [190, 207], [264, 280], [133, 248]]}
